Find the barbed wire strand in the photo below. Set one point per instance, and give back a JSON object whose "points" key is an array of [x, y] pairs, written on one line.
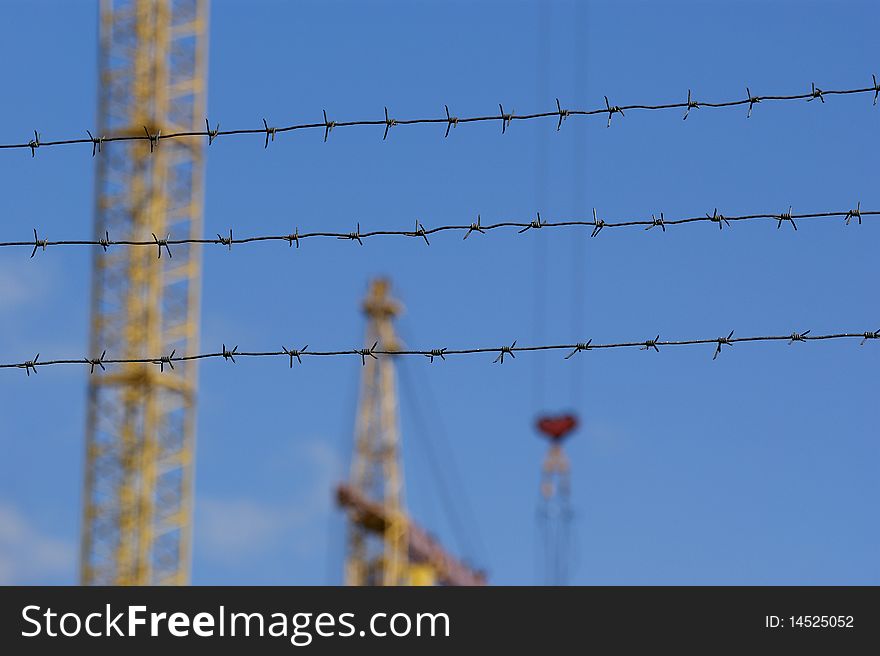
{"points": [[433, 354], [268, 132], [596, 225]]}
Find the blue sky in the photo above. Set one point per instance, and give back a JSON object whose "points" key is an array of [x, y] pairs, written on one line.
{"points": [[757, 468]]}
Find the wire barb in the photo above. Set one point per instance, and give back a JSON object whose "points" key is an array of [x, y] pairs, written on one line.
{"points": [[354, 236], [474, 227], [389, 123], [798, 337], [786, 216], [870, 335], [96, 362], [293, 237], [815, 93], [580, 346], [876, 88], [212, 134], [420, 232], [165, 359], [436, 353], [856, 213], [38, 243], [97, 142], [225, 241], [563, 114], [295, 353], [105, 241], [153, 138], [227, 354], [451, 121], [367, 352], [505, 119], [30, 365], [722, 341], [690, 104], [718, 218], [753, 100], [508, 350], [655, 222], [162, 242], [328, 125], [598, 224], [270, 132], [651, 344], [535, 223], [34, 143], [612, 110]]}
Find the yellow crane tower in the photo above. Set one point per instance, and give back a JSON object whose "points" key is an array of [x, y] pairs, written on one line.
{"points": [[385, 547], [140, 425]]}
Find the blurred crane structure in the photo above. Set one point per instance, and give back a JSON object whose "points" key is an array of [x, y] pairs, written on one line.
{"points": [[140, 426], [554, 509], [385, 547]]}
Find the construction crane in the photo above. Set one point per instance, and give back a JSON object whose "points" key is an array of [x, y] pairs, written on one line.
{"points": [[554, 509], [140, 430], [555, 514], [385, 547]]}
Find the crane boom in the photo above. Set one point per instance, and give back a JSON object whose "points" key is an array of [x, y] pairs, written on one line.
{"points": [[423, 548]]}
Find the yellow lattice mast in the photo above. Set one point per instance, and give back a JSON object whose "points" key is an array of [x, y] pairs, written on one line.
{"points": [[378, 558], [385, 545], [140, 426]]}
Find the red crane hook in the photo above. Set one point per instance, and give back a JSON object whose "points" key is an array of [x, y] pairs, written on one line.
{"points": [[555, 428]]}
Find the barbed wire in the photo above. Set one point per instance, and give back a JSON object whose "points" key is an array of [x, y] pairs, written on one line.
{"points": [[296, 354], [560, 114], [422, 233]]}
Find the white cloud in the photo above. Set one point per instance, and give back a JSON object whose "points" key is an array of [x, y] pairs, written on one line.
{"points": [[233, 529], [17, 288], [29, 556], [324, 472], [229, 529]]}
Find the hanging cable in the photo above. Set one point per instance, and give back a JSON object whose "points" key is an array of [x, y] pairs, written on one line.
{"points": [[580, 190], [553, 501], [539, 277], [345, 444], [539, 281], [442, 462]]}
